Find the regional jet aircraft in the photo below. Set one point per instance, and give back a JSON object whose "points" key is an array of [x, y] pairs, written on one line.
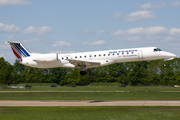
{"points": [[85, 60]]}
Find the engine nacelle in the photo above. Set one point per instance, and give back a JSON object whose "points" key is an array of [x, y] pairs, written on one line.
{"points": [[51, 57]]}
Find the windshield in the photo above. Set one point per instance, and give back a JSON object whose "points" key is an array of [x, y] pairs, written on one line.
{"points": [[157, 49]]}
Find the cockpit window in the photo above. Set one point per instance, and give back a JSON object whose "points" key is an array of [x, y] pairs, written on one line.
{"points": [[157, 49]]}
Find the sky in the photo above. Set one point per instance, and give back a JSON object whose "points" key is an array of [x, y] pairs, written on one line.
{"points": [[66, 26]]}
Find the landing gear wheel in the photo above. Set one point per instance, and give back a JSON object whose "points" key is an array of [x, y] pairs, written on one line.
{"points": [[164, 64], [83, 72]]}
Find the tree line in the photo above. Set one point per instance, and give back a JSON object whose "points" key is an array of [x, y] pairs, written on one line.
{"points": [[144, 73]]}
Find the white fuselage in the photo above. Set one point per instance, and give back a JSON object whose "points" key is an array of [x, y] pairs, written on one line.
{"points": [[91, 59]]}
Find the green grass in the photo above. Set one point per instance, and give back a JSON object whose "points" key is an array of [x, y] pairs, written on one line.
{"points": [[92, 93], [90, 113], [104, 84], [141, 95], [96, 88], [39, 84]]}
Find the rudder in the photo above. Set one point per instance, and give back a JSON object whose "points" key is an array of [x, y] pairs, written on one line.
{"points": [[19, 50]]}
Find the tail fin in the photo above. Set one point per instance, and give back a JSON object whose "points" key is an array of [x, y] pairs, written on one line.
{"points": [[19, 50]]}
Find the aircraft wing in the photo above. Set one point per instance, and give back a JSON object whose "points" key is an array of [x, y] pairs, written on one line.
{"points": [[79, 63]]}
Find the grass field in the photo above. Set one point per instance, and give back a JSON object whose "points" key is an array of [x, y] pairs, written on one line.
{"points": [[92, 93], [89, 113], [96, 88], [90, 96], [102, 93]]}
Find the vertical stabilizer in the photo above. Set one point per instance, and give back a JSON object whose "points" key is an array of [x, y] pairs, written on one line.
{"points": [[19, 50]]}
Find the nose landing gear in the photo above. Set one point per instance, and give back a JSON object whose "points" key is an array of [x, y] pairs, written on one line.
{"points": [[164, 63]]}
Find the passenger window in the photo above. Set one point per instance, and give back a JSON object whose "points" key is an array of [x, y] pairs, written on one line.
{"points": [[99, 55], [62, 58], [76, 57], [84, 56], [122, 53], [108, 54], [66, 57], [127, 52], [132, 52], [94, 55], [80, 56], [104, 54], [113, 53], [117, 53]]}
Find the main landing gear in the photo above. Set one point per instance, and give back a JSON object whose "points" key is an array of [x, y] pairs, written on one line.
{"points": [[83, 72]]}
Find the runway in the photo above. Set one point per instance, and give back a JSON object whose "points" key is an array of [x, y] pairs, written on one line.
{"points": [[90, 103]]}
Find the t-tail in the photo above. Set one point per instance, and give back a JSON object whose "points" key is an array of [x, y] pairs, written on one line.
{"points": [[19, 50]]}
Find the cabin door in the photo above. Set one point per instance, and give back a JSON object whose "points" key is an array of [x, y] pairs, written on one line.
{"points": [[140, 54]]}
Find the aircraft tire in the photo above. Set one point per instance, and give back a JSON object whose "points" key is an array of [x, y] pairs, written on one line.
{"points": [[83, 72]]}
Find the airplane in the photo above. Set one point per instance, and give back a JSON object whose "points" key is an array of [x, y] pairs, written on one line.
{"points": [[85, 60]]}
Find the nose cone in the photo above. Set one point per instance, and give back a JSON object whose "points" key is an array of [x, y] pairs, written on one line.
{"points": [[171, 55], [167, 54], [174, 56]]}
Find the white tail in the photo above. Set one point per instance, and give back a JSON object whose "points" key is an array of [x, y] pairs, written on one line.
{"points": [[19, 50]]}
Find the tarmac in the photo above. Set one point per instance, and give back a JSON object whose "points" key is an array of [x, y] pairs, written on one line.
{"points": [[90, 103]]}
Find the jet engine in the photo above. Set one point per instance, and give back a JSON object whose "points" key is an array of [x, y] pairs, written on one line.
{"points": [[51, 57]]}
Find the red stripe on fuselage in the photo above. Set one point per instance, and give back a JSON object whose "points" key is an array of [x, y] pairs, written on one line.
{"points": [[16, 53]]}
